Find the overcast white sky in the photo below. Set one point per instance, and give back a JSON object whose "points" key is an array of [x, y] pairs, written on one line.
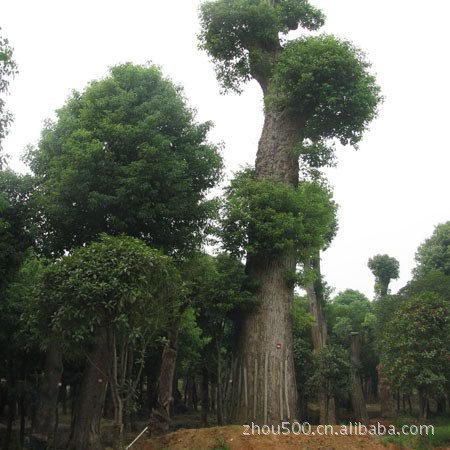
{"points": [[392, 192]]}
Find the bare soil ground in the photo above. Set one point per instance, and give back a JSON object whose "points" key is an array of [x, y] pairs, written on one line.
{"points": [[231, 437]]}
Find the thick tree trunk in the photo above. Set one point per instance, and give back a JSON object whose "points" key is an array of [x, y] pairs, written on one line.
{"points": [[45, 416], [160, 415], [358, 402], [264, 387], [91, 398], [314, 291]]}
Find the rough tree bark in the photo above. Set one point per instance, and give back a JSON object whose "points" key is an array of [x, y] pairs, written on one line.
{"points": [[85, 433], [358, 402], [314, 291], [264, 387], [45, 415], [160, 415]]}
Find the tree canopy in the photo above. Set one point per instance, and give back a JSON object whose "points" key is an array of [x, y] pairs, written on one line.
{"points": [[416, 344], [126, 156], [113, 282], [323, 82], [265, 217], [434, 253]]}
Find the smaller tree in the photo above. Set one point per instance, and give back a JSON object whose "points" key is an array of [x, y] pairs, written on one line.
{"points": [[331, 372], [415, 347], [385, 269], [110, 300]]}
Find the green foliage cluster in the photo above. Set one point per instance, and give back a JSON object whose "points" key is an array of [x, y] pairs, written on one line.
{"points": [[219, 292], [126, 156], [331, 372], [112, 283], [8, 69], [16, 221], [351, 311], [434, 253], [322, 82], [325, 82], [239, 34], [267, 217]]}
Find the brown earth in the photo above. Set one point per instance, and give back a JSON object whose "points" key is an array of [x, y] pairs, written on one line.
{"points": [[232, 438]]}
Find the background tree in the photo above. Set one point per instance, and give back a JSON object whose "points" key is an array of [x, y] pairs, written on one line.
{"points": [[16, 221], [126, 156], [20, 353], [385, 269], [434, 253], [8, 69], [416, 347], [316, 90], [222, 294], [351, 311]]}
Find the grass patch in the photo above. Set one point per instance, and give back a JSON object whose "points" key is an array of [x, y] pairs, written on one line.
{"points": [[220, 445], [441, 438]]}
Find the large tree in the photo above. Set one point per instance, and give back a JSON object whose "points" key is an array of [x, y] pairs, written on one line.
{"points": [[126, 156], [317, 90]]}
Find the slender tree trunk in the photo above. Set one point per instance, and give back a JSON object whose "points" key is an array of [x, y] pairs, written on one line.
{"points": [[264, 387], [219, 405], [384, 394], [12, 403], [314, 291], [85, 433], [441, 408], [204, 397], [358, 402], [44, 419], [160, 415], [423, 403], [22, 412]]}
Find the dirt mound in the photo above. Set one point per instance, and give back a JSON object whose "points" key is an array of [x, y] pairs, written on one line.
{"points": [[232, 438]]}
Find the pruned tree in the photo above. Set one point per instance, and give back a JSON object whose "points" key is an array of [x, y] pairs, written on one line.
{"points": [[385, 269], [316, 90]]}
